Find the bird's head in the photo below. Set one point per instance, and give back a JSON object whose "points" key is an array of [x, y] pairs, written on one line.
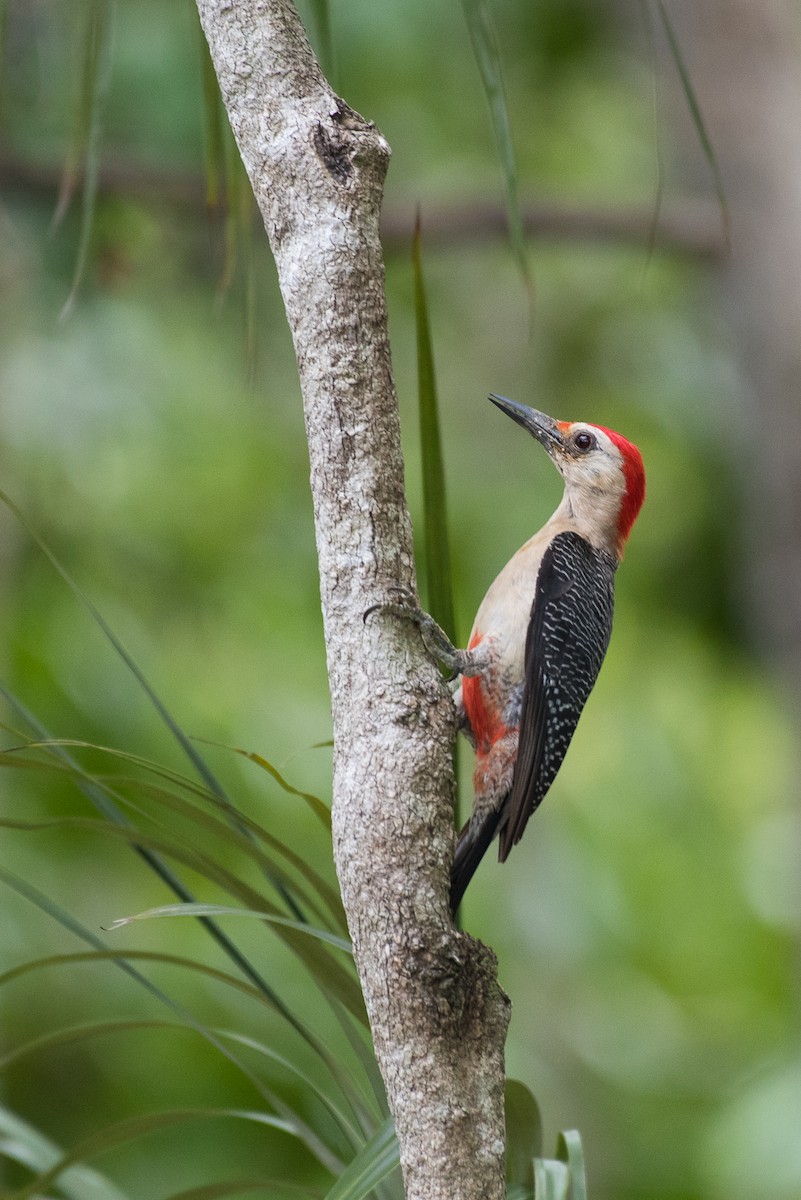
{"points": [[603, 471]]}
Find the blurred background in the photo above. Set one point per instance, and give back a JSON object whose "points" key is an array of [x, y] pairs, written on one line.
{"points": [[151, 430]]}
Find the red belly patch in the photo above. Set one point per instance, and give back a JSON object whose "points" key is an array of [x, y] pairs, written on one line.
{"points": [[482, 713]]}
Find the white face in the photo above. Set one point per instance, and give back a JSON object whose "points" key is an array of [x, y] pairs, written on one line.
{"points": [[588, 457], [592, 467]]}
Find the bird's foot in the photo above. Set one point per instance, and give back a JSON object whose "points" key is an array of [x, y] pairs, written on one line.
{"points": [[436, 641]]}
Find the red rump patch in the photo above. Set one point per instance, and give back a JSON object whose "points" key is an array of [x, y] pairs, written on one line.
{"points": [[634, 473], [484, 720]]}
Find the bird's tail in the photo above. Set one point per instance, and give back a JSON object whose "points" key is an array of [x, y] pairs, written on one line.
{"points": [[471, 846]]}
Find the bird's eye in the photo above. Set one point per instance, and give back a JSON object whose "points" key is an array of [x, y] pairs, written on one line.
{"points": [[584, 441]]}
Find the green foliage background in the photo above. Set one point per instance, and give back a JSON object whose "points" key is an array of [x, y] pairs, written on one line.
{"points": [[647, 929]]}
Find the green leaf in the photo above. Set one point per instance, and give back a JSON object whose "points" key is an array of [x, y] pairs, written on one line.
{"points": [[226, 910], [551, 1180], [659, 173], [242, 831], [239, 226], [132, 1128], [223, 161], [85, 150], [55, 1040], [247, 222], [201, 767], [234, 1187], [25, 1145], [314, 1144], [487, 54], [203, 770], [372, 1164], [523, 1134], [247, 835], [175, 960], [212, 124], [569, 1150], [697, 116], [324, 39], [362, 1046], [101, 798], [320, 810], [289, 1117], [4, 9], [353, 1135], [329, 974], [437, 550]]}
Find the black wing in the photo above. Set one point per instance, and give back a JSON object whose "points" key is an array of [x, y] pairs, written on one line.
{"points": [[568, 633]]}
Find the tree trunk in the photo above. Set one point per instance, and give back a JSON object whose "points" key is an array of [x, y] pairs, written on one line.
{"points": [[437, 1014]]}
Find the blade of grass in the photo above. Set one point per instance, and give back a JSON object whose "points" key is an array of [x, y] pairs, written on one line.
{"points": [[366, 1119], [235, 179], [551, 1180], [89, 1030], [355, 1136], [184, 742], [55, 1039], [318, 1148], [96, 74], [650, 35], [435, 515], [65, 919], [355, 1033], [198, 762], [569, 1150], [329, 974], [246, 834], [156, 956], [320, 810], [372, 1164], [227, 910], [4, 9], [46, 742], [324, 39], [234, 1187], [697, 117], [488, 59], [104, 803], [24, 1144], [523, 1134], [268, 852], [86, 82], [439, 580], [212, 124], [131, 1128]]}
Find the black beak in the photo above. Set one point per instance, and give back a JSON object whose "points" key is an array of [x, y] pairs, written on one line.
{"points": [[544, 428]]}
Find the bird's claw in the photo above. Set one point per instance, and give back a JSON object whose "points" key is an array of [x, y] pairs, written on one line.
{"points": [[437, 643], [407, 604]]}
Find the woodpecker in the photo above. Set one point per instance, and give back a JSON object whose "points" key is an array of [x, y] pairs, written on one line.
{"points": [[540, 634]]}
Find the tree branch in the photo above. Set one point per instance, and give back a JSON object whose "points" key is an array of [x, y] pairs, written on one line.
{"points": [[438, 1017], [689, 226]]}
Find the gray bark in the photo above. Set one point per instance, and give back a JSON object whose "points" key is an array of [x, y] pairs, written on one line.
{"points": [[437, 1014]]}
